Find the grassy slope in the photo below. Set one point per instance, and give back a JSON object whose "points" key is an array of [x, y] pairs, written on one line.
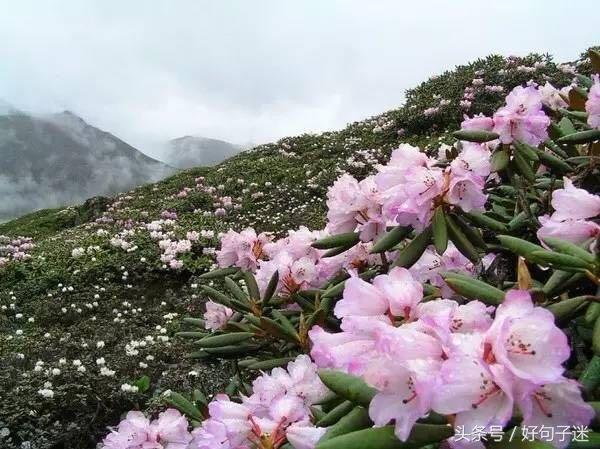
{"points": [[117, 298]]}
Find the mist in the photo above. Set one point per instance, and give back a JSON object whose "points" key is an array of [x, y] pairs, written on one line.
{"points": [[252, 71]]}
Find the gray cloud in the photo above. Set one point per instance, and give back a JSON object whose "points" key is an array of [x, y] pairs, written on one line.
{"points": [[254, 70]]}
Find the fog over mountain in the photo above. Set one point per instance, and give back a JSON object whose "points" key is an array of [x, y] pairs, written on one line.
{"points": [[57, 159], [191, 151]]}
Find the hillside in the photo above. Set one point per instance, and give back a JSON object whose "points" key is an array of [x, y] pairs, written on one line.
{"points": [[59, 159], [192, 151], [94, 305]]}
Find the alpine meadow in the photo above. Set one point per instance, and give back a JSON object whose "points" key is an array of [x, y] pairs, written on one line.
{"points": [[428, 277]]}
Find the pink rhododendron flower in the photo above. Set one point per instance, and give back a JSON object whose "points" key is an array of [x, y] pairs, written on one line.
{"points": [[480, 395], [394, 294], [557, 404], [575, 231], [406, 397], [216, 315], [572, 203], [551, 97], [242, 249], [477, 123], [411, 189], [525, 340], [447, 316], [351, 350], [430, 264], [303, 435], [522, 118], [169, 431], [474, 159], [467, 192], [277, 411], [572, 206], [354, 205], [401, 160], [592, 105]]}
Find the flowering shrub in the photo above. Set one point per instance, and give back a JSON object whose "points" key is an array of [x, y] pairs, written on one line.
{"points": [[443, 299], [15, 249]]}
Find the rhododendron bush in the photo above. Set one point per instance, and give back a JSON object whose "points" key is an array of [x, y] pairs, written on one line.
{"points": [[450, 300]]}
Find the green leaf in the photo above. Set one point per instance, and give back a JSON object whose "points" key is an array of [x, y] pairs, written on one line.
{"points": [[349, 387], [554, 162], [270, 364], [475, 135], [474, 288], [552, 146], [335, 241], [198, 355], [216, 295], [217, 341], [485, 222], [579, 115], [143, 384], [440, 232], [499, 160], [199, 322], [252, 286], [184, 406], [592, 313], [556, 280], [233, 386], [566, 127], [460, 240], [337, 251], [384, 438], [590, 378], [569, 248], [245, 363], [391, 239], [562, 261], [357, 419], [278, 330], [334, 290], [518, 246], [198, 396], [191, 334], [414, 250], [523, 167], [232, 351], [285, 323], [590, 135], [218, 273], [304, 302], [526, 151], [568, 307], [472, 234], [592, 441], [596, 337], [336, 414], [235, 289], [271, 287]]}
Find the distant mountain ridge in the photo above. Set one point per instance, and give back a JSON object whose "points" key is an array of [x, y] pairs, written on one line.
{"points": [[192, 151], [58, 159]]}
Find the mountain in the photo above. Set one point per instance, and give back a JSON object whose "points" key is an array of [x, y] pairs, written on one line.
{"points": [[192, 151], [59, 159]]}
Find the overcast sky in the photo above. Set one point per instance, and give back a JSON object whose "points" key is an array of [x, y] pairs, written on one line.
{"points": [[254, 71]]}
